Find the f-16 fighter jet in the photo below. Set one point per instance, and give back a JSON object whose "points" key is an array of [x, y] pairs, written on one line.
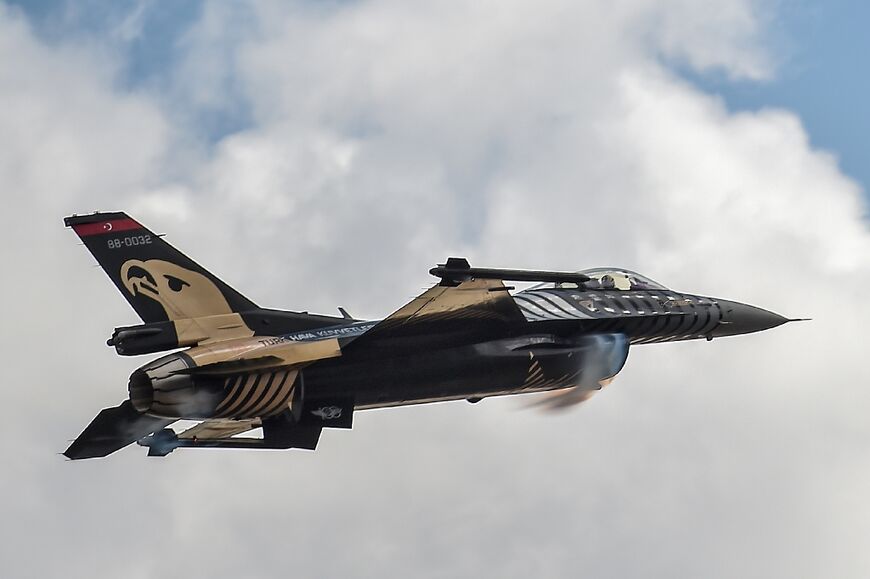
{"points": [[237, 367]]}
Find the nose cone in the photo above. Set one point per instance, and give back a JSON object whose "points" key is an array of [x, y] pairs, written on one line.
{"points": [[740, 318]]}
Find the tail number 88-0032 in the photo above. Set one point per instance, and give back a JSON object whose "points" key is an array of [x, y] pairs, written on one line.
{"points": [[131, 241]]}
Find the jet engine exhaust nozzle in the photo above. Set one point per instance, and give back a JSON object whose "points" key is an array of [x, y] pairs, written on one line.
{"points": [[161, 388]]}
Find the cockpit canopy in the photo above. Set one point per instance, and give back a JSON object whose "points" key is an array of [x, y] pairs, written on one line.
{"points": [[607, 278]]}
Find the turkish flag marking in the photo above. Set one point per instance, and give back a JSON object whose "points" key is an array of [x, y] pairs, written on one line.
{"points": [[102, 227]]}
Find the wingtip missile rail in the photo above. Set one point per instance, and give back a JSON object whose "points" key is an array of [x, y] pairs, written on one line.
{"points": [[457, 269]]}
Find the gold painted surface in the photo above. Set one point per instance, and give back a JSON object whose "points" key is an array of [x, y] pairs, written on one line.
{"points": [[237, 399], [182, 293], [273, 394], [242, 398], [208, 329], [293, 353], [284, 398], [222, 351], [263, 381], [472, 298], [209, 429], [275, 351]]}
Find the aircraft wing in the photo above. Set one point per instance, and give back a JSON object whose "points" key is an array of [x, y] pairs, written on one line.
{"points": [[442, 307], [476, 299]]}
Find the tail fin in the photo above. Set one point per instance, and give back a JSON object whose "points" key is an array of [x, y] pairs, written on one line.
{"points": [[159, 282]]}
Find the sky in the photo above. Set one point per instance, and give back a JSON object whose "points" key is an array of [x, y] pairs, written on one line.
{"points": [[324, 154]]}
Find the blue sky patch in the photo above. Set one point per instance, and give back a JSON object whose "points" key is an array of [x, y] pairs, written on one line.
{"points": [[820, 46]]}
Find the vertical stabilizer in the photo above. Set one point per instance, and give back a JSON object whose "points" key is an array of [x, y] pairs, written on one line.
{"points": [[159, 282]]}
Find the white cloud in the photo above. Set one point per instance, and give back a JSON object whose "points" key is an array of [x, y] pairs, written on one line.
{"points": [[387, 136], [712, 35]]}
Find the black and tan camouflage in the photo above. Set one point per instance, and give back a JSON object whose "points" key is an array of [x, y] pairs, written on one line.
{"points": [[235, 367]]}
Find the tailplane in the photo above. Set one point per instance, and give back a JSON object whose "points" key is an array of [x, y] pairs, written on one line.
{"points": [[113, 429]]}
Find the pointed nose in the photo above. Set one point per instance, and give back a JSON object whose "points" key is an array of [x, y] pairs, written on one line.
{"points": [[740, 318]]}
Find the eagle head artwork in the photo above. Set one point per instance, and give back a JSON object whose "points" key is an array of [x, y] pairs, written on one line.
{"points": [[181, 292]]}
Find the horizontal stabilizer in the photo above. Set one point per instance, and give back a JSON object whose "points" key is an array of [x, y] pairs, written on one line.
{"points": [[113, 429]]}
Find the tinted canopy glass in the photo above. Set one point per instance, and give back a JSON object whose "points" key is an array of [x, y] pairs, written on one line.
{"points": [[608, 278]]}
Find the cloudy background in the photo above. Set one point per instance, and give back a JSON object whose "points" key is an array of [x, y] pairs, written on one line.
{"points": [[317, 154]]}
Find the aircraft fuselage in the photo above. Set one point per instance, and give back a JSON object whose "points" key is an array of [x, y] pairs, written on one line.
{"points": [[237, 367]]}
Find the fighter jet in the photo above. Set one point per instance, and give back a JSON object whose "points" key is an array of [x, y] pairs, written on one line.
{"points": [[235, 367]]}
